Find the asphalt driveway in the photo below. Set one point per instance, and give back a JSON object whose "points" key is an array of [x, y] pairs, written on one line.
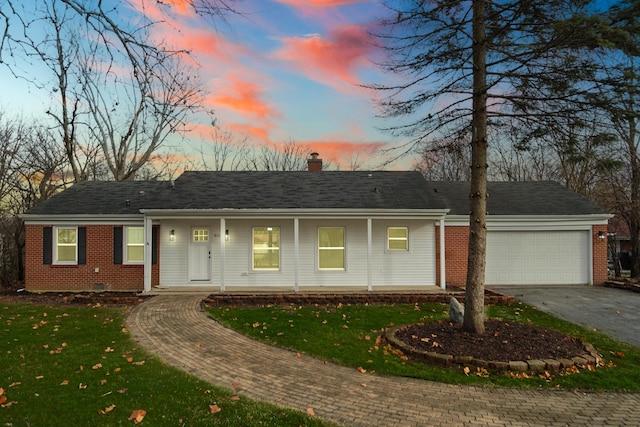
{"points": [[615, 312]]}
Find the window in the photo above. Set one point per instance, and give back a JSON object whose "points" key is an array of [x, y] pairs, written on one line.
{"points": [[66, 247], [266, 248], [134, 245], [398, 238], [200, 235], [331, 248]]}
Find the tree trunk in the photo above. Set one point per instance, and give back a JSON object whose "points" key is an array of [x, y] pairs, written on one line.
{"points": [[474, 294]]}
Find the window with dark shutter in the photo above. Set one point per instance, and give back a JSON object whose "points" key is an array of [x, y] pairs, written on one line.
{"points": [[117, 245], [154, 245], [47, 245], [82, 245]]}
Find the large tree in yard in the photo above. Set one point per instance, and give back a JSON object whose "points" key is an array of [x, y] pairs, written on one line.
{"points": [[467, 67]]}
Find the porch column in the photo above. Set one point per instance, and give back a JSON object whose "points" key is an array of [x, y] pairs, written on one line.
{"points": [[443, 276], [369, 254], [148, 252], [223, 246], [296, 254]]}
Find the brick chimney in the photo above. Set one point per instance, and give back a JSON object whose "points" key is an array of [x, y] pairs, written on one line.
{"points": [[314, 163]]}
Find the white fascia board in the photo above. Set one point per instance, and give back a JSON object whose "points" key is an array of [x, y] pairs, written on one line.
{"points": [[83, 219], [534, 222], [159, 214]]}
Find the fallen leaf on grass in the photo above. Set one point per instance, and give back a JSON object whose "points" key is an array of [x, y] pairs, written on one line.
{"points": [[123, 390], [82, 386], [361, 370], [466, 370], [65, 382], [311, 412], [39, 377], [234, 398], [97, 366], [214, 409], [140, 363], [109, 350], [106, 410], [137, 416], [3, 399]]}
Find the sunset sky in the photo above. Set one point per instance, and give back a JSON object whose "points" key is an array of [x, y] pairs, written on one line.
{"points": [[280, 71], [290, 70]]}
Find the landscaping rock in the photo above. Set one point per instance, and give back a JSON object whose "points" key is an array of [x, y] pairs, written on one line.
{"points": [[537, 365], [517, 365], [456, 311]]}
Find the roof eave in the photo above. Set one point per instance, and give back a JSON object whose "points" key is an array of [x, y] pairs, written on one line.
{"points": [[293, 212]]}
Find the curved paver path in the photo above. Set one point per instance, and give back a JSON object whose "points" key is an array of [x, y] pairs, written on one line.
{"points": [[175, 328]]}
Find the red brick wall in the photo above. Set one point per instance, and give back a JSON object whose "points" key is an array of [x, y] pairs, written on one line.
{"points": [[456, 249], [111, 277], [599, 255]]}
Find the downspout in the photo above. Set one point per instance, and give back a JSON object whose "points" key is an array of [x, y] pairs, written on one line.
{"points": [[223, 247], [296, 254], [148, 252], [369, 255], [443, 275]]}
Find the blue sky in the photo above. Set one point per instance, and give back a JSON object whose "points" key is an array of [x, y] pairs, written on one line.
{"points": [[283, 70]]}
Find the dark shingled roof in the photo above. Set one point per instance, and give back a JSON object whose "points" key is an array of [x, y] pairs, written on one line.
{"points": [[100, 197], [303, 190], [517, 198], [310, 190]]}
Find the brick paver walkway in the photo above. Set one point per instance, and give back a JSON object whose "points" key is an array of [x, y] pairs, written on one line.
{"points": [[175, 328]]}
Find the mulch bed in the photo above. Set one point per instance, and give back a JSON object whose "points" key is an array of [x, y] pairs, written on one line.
{"points": [[502, 341], [71, 298]]}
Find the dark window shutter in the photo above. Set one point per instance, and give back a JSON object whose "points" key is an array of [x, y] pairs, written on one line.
{"points": [[154, 245], [117, 245], [82, 245], [47, 245]]}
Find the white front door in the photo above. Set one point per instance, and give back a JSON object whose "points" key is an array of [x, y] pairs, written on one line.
{"points": [[200, 255]]}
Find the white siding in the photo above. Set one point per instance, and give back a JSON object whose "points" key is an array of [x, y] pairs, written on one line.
{"points": [[417, 266], [238, 265], [389, 268]]}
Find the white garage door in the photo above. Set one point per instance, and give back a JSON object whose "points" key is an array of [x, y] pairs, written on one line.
{"points": [[537, 257]]}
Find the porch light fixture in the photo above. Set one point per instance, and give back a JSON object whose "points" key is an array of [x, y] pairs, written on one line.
{"points": [[172, 236], [601, 235], [226, 235]]}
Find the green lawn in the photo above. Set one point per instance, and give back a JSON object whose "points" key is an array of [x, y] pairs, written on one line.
{"points": [[346, 334], [78, 366]]}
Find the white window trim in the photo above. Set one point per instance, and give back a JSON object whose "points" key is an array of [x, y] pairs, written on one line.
{"points": [[125, 244], [389, 239], [344, 249], [55, 245], [253, 267]]}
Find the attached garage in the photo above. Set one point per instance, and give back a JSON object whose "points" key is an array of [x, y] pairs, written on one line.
{"points": [[538, 257], [538, 233]]}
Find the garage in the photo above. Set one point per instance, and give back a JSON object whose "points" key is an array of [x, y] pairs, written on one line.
{"points": [[538, 257]]}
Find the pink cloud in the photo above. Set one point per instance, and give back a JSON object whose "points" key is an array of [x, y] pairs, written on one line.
{"points": [[243, 97], [342, 153], [333, 60]]}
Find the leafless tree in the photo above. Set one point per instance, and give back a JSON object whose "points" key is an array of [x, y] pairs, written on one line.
{"points": [[61, 34]]}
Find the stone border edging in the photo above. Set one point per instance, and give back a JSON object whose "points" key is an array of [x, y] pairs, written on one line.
{"points": [[491, 297], [590, 356]]}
